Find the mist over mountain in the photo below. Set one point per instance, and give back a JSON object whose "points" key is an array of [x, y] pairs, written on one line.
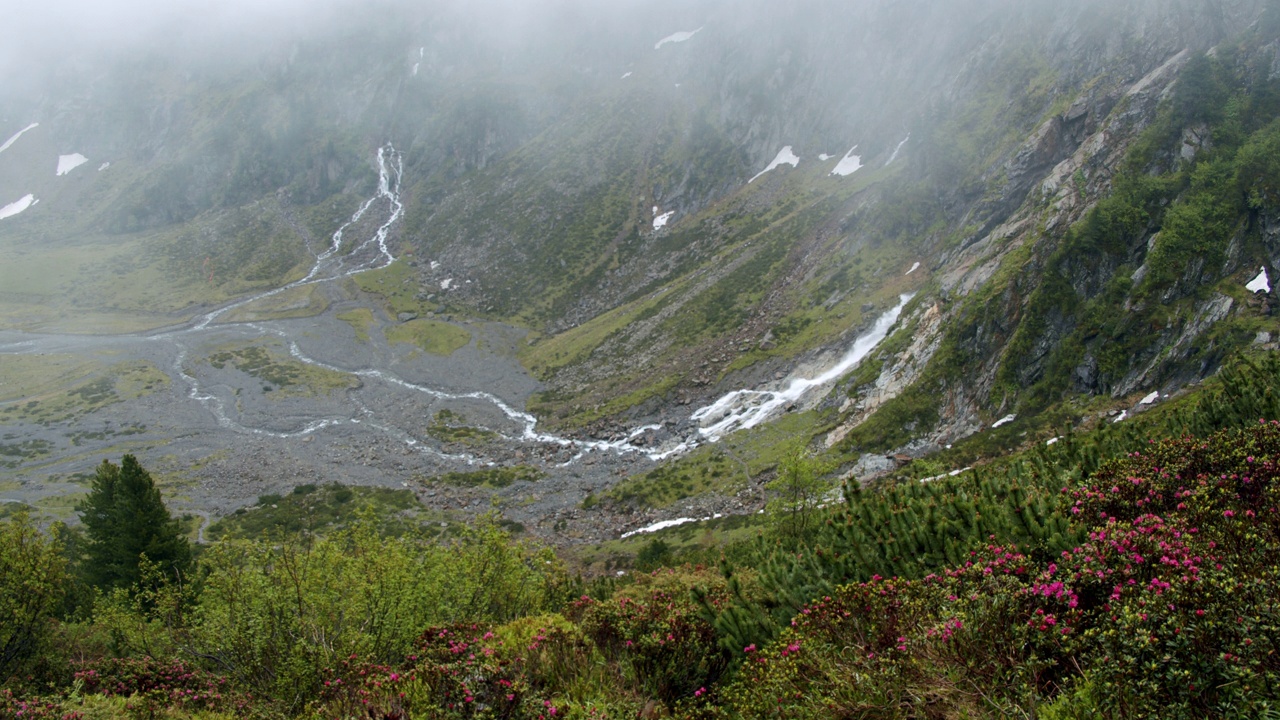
{"points": [[607, 245]]}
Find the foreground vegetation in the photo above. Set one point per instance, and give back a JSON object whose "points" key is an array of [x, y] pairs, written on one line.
{"points": [[1107, 575]]}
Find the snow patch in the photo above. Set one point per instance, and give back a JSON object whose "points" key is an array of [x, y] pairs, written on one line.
{"points": [[953, 473], [435, 264], [662, 220], [446, 283], [104, 166], [825, 157], [14, 208], [659, 526], [1003, 421], [1260, 283], [626, 75], [1123, 415], [1052, 441], [896, 150], [415, 69], [913, 268], [664, 524], [676, 38], [67, 163], [17, 135], [1150, 398], [849, 164], [785, 157]]}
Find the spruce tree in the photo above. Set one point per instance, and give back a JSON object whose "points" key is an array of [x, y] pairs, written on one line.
{"points": [[125, 519]]}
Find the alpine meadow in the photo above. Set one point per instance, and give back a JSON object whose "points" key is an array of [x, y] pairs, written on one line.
{"points": [[691, 359]]}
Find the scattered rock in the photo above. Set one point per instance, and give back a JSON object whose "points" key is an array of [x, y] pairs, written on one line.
{"points": [[407, 316]]}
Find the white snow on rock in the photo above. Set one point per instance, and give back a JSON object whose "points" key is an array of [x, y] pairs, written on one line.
{"points": [[1150, 398], [67, 163], [896, 150], [659, 526], [104, 166], [626, 75], [664, 524], [446, 283], [17, 135], [676, 38], [1260, 283], [742, 409], [14, 208], [435, 264], [662, 220], [849, 164], [1003, 421], [1123, 415], [913, 268], [785, 157]]}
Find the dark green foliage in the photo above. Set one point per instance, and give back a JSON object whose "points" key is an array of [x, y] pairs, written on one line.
{"points": [[1258, 168], [1203, 89], [654, 554], [1247, 390], [321, 510], [668, 483], [498, 477], [910, 529], [257, 362], [661, 636], [904, 530], [125, 520], [1165, 607], [447, 426], [1196, 230]]}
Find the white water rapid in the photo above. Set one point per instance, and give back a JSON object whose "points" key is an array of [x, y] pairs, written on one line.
{"points": [[743, 409]]}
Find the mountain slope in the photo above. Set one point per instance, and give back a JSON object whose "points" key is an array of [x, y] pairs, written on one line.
{"points": [[684, 204]]}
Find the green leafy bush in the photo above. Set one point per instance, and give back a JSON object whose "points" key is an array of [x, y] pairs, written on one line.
{"points": [[273, 615], [661, 637], [33, 579]]}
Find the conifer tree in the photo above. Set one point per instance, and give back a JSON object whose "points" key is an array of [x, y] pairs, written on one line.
{"points": [[125, 519]]}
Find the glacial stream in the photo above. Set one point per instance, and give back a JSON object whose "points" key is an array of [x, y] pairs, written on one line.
{"points": [[345, 257]]}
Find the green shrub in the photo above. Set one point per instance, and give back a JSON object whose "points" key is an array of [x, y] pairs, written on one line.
{"points": [[273, 615], [659, 634], [33, 579]]}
